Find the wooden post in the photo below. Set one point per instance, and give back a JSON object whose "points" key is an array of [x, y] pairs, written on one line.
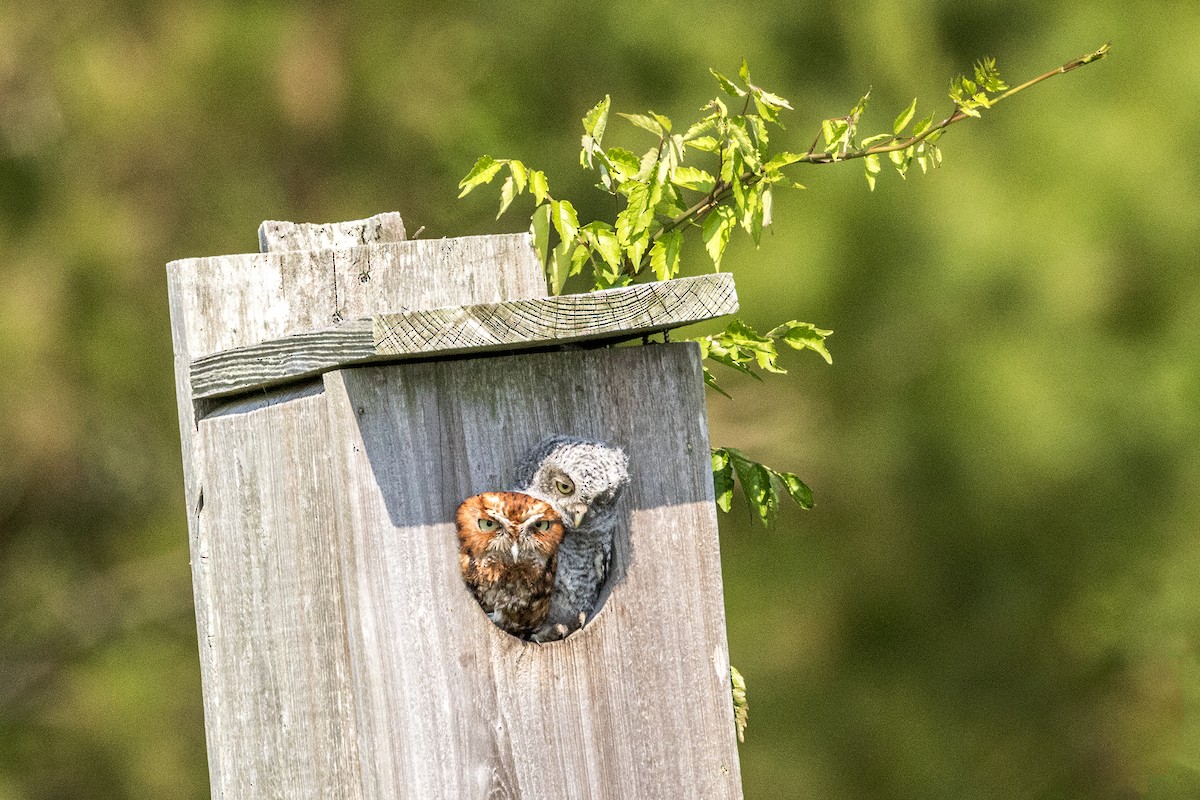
{"points": [[341, 654]]}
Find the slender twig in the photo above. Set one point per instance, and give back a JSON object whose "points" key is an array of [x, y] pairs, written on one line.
{"points": [[722, 190]]}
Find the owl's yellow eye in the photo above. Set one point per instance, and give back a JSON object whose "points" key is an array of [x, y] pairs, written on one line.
{"points": [[564, 486], [542, 525], [486, 524]]}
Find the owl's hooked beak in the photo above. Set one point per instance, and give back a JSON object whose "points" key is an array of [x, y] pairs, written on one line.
{"points": [[578, 512], [515, 551]]}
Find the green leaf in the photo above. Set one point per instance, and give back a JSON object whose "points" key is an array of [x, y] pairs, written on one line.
{"points": [[665, 122], [905, 117], [744, 72], [871, 168], [646, 123], [538, 186], [700, 127], [803, 336], [579, 257], [629, 221], [741, 706], [566, 222], [595, 121], [559, 268], [773, 100], [781, 160], [715, 232], [741, 138], [722, 470], [603, 239], [664, 255], [711, 383], [796, 489], [728, 86], [519, 173], [922, 125], [692, 178], [624, 162], [705, 144], [756, 484], [484, 170], [760, 217], [539, 229], [507, 192]]}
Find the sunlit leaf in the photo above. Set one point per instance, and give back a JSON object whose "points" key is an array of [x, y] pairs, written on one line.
{"points": [[624, 162], [698, 128], [484, 170], [694, 179], [728, 86], [559, 267], [539, 230], [871, 168], [596, 119], [715, 232], [796, 489], [706, 144], [803, 336], [904, 118], [756, 484], [562, 214], [664, 255], [507, 192], [538, 186], [603, 239], [645, 122]]}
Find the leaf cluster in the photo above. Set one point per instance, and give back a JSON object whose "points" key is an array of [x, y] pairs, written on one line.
{"points": [[760, 484], [741, 347], [659, 193], [741, 707], [658, 197]]}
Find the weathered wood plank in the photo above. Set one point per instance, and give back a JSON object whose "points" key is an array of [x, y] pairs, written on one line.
{"points": [[257, 485], [514, 325], [280, 700], [275, 236], [637, 704]]}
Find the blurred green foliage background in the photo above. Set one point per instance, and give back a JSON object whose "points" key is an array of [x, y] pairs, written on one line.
{"points": [[996, 595]]}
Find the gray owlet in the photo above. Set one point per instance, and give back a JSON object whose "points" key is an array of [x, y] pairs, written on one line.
{"points": [[582, 480]]}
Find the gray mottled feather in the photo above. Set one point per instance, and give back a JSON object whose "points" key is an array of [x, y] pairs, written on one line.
{"points": [[599, 472]]}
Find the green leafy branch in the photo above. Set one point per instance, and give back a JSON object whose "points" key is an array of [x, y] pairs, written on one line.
{"points": [[741, 347], [658, 197], [760, 484]]}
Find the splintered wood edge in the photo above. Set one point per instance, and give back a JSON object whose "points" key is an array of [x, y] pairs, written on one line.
{"points": [[278, 236], [612, 314]]}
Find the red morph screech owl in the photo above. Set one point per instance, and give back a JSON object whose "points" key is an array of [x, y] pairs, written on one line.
{"points": [[508, 554]]}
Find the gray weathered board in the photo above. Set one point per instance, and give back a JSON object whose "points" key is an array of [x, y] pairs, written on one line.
{"points": [[275, 236], [341, 655], [513, 325]]}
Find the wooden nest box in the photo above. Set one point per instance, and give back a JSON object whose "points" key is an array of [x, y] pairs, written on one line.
{"points": [[340, 393]]}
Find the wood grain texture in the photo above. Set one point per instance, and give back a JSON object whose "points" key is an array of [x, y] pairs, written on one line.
{"points": [[637, 704], [277, 236], [514, 325], [266, 586]]}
